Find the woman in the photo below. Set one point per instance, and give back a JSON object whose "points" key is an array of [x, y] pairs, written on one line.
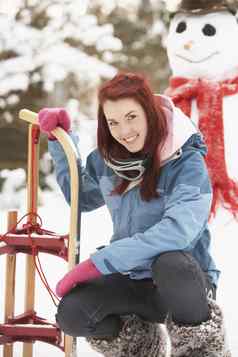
{"points": [[149, 170]]}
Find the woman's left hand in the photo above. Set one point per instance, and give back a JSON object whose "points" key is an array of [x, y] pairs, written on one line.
{"points": [[51, 118], [82, 272]]}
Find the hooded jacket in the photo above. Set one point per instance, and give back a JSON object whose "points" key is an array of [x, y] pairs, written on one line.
{"points": [[176, 220]]}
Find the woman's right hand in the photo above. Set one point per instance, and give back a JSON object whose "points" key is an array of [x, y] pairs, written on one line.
{"points": [[51, 118]]}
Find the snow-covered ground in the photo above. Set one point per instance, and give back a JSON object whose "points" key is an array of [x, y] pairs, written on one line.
{"points": [[96, 230]]}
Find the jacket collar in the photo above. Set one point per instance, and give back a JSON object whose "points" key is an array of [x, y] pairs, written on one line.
{"points": [[180, 129]]}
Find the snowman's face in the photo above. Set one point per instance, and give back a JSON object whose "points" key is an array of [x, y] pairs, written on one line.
{"points": [[203, 45]]}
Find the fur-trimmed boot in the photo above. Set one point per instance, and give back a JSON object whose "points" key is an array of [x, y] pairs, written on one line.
{"points": [[204, 340], [137, 338]]}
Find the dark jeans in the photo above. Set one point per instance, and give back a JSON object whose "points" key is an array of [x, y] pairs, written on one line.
{"points": [[179, 288]]}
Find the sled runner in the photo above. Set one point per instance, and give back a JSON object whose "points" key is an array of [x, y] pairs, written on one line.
{"points": [[31, 239]]}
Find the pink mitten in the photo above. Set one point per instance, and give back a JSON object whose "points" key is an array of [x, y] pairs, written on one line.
{"points": [[80, 273], [50, 118]]}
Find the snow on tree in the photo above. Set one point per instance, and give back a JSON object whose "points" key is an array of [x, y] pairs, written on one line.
{"points": [[46, 43], [50, 55], [142, 27]]}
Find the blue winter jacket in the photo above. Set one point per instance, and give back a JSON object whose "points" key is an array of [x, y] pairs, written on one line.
{"points": [[176, 220]]}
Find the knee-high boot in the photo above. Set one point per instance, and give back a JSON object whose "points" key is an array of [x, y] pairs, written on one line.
{"points": [[205, 340], [137, 338]]}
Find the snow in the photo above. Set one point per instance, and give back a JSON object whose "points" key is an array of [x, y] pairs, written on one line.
{"points": [[225, 248], [9, 7], [11, 196], [172, 5]]}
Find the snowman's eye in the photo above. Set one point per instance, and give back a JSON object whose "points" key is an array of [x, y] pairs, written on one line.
{"points": [[181, 27], [209, 30]]}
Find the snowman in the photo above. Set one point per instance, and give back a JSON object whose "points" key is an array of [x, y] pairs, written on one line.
{"points": [[203, 55]]}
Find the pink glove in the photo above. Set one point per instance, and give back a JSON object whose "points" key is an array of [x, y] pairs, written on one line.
{"points": [[80, 273], [50, 118]]}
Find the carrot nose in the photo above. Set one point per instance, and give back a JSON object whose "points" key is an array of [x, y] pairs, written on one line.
{"points": [[188, 45]]}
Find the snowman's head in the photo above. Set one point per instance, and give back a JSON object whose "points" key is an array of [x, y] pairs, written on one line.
{"points": [[203, 45]]}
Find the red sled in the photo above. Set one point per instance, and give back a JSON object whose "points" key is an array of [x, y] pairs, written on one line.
{"points": [[31, 239]]}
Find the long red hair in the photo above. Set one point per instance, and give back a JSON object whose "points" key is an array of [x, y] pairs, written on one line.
{"points": [[135, 86]]}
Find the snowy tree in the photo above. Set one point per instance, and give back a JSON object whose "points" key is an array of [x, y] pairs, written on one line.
{"points": [[48, 56], [49, 43], [142, 27]]}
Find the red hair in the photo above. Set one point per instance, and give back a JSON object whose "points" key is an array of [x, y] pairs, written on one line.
{"points": [[134, 86]]}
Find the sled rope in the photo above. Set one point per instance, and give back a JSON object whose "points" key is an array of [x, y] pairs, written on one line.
{"points": [[29, 228], [43, 278]]}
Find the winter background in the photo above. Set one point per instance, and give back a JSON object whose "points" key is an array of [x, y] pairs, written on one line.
{"points": [[65, 49]]}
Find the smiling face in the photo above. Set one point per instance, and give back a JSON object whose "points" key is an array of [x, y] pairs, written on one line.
{"points": [[127, 123], [203, 45]]}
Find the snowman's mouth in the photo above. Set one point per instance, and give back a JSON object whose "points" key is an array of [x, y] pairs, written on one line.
{"points": [[198, 61]]}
